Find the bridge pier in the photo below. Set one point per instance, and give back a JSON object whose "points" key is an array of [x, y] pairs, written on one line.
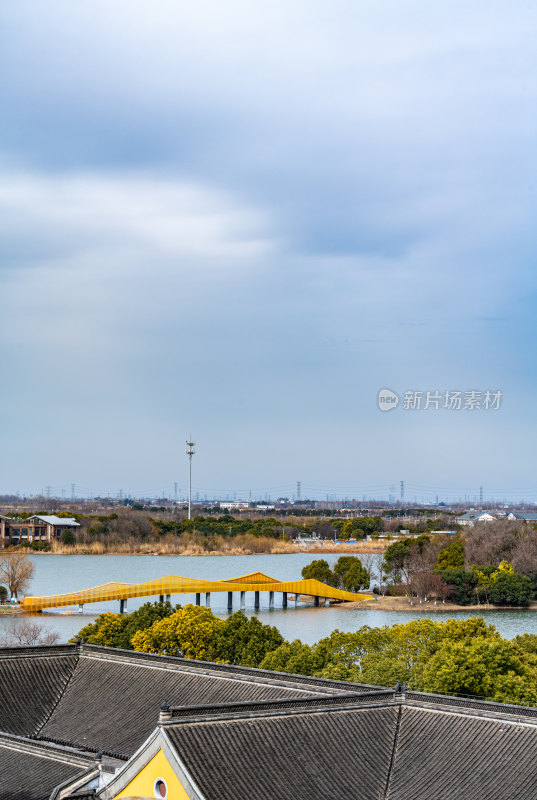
{"points": [[256, 600], [284, 599], [161, 598], [80, 609], [271, 599], [230, 601], [315, 600], [198, 598], [122, 606], [168, 598], [243, 599], [208, 599]]}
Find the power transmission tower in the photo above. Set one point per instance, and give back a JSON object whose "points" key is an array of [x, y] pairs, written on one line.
{"points": [[481, 495], [298, 487], [402, 491], [190, 452], [175, 491], [48, 492], [72, 491]]}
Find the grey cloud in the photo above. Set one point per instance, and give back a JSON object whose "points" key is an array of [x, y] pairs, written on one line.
{"points": [[225, 218]]}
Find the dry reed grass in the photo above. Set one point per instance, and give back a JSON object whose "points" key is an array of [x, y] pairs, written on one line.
{"points": [[186, 545]]}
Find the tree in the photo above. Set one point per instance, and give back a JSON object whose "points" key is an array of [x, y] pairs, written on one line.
{"points": [[484, 583], [352, 529], [510, 589], [349, 572], [117, 630], [462, 585], [68, 537], [492, 669], [244, 641], [428, 585], [451, 557], [356, 578], [318, 570], [395, 557], [16, 572], [294, 657], [27, 633], [189, 632]]}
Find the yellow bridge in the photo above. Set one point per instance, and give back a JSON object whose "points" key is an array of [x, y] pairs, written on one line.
{"points": [[174, 584]]}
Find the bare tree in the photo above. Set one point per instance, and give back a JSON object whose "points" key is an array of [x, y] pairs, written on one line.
{"points": [[373, 564], [491, 542], [524, 555], [27, 633], [428, 586], [16, 572]]}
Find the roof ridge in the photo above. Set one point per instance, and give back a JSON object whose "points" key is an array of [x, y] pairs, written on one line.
{"points": [[60, 696], [38, 649], [394, 751], [49, 748], [230, 669], [103, 750], [470, 703], [176, 715]]}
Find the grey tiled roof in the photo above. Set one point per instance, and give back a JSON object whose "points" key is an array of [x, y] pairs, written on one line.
{"points": [[31, 770], [454, 756], [246, 733], [112, 702], [389, 751], [31, 683], [332, 754]]}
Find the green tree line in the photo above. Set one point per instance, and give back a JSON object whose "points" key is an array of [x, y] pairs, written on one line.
{"points": [[460, 657]]}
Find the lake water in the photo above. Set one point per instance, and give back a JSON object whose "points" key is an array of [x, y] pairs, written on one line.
{"points": [[56, 574]]}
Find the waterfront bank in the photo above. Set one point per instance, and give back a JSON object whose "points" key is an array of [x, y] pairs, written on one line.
{"points": [[71, 573], [413, 606]]}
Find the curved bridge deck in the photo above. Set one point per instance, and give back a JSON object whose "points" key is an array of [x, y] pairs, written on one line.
{"points": [[175, 584]]}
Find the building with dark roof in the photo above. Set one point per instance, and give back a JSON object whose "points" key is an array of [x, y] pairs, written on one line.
{"points": [[38, 528], [86, 721]]}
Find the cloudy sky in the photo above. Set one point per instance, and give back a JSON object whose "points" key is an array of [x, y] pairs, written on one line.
{"points": [[238, 221]]}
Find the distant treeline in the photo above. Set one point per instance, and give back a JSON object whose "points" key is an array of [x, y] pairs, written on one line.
{"points": [[127, 526]]}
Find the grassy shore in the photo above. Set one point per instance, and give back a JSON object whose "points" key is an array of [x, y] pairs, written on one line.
{"points": [[354, 547], [242, 545], [403, 604]]}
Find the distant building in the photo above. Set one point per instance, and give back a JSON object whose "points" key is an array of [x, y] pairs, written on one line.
{"points": [[37, 528], [523, 515], [234, 505], [471, 517]]}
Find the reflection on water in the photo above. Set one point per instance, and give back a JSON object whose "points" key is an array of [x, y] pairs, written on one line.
{"points": [[54, 574]]}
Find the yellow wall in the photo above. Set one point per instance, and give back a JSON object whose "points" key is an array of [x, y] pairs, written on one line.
{"points": [[142, 785]]}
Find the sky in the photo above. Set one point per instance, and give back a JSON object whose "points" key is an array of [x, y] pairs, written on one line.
{"points": [[239, 221]]}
